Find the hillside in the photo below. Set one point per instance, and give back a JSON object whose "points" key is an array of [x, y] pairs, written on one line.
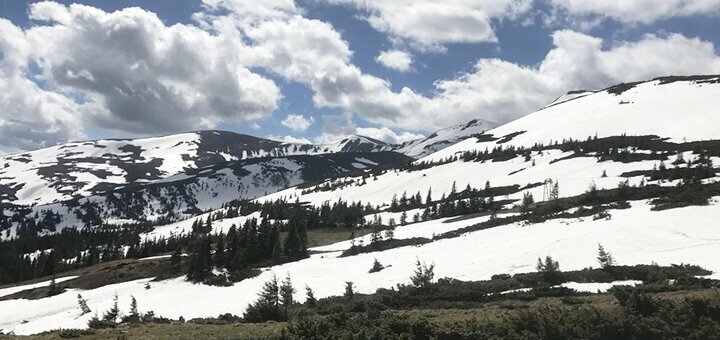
{"points": [[632, 168]]}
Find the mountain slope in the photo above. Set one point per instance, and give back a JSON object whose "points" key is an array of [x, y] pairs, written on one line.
{"points": [[194, 191], [683, 109], [647, 188], [443, 138]]}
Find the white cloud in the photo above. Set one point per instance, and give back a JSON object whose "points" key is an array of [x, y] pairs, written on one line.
{"points": [[297, 122], [500, 91], [638, 11], [430, 24], [394, 59], [313, 53], [140, 75], [30, 117], [387, 135], [289, 139]]}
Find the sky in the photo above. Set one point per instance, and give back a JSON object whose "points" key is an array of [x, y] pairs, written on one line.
{"points": [[314, 71]]}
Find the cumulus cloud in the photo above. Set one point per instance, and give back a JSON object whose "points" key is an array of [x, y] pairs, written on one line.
{"points": [[429, 25], [140, 75], [129, 71], [638, 11], [30, 116], [297, 123], [395, 59], [500, 91], [313, 53], [289, 139]]}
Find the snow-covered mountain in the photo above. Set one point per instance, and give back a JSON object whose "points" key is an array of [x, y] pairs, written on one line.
{"points": [[443, 138], [81, 169], [196, 190], [633, 167]]}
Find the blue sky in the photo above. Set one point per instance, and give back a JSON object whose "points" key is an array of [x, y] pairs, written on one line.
{"points": [[505, 59]]}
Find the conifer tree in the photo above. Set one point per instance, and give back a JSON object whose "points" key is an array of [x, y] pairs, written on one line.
{"points": [[605, 259], [267, 305], [349, 290], [377, 266], [310, 300], [390, 233], [219, 256], [82, 304], [134, 315], [428, 199], [423, 276], [113, 313], [286, 295]]}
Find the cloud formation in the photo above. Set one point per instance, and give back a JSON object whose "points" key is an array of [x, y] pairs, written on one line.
{"points": [[638, 11], [297, 123], [138, 74], [396, 60], [129, 71], [428, 25]]}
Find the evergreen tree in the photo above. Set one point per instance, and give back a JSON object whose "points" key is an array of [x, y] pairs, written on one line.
{"points": [[52, 288], [286, 295], [428, 199], [390, 233], [295, 242], [134, 315], [220, 251], [277, 250], [114, 312], [200, 260], [527, 202], [310, 300], [266, 307], [377, 266], [423, 276], [605, 259], [82, 304], [375, 235], [550, 269], [555, 191], [349, 290], [403, 218]]}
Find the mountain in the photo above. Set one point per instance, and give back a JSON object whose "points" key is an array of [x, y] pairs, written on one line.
{"points": [[633, 167], [443, 138], [195, 190], [81, 169]]}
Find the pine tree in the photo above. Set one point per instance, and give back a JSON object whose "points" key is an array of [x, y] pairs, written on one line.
{"points": [[349, 290], [375, 235], [277, 250], [428, 199], [377, 266], [200, 260], [134, 315], [555, 191], [52, 288], [550, 269], [267, 305], [286, 295], [390, 233], [82, 304], [527, 202], [310, 300], [219, 257], [605, 259], [403, 218], [423, 276], [114, 312]]}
